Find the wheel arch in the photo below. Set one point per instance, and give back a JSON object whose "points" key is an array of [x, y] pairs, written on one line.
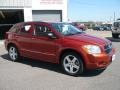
{"points": [[11, 44], [71, 50]]}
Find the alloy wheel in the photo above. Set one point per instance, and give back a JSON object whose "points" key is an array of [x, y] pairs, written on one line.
{"points": [[71, 64], [13, 53]]}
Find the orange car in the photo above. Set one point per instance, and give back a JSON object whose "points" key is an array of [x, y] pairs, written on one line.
{"points": [[59, 43]]}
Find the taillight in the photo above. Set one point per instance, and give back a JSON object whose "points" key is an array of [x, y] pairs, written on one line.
{"points": [[6, 35]]}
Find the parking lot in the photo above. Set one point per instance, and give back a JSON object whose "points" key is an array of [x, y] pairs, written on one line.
{"points": [[30, 74]]}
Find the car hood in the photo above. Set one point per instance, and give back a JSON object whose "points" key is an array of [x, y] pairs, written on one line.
{"points": [[88, 39]]}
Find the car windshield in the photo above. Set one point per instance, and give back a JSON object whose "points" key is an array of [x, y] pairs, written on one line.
{"points": [[66, 29], [116, 24]]}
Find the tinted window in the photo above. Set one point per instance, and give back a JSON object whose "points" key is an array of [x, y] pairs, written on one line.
{"points": [[41, 30]]}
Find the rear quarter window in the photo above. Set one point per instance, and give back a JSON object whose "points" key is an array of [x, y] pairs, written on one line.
{"points": [[14, 29]]}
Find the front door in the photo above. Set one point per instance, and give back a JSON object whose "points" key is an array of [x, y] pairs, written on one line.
{"points": [[43, 47]]}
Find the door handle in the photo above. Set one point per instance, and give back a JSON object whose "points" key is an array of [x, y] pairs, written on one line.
{"points": [[16, 36], [33, 38]]}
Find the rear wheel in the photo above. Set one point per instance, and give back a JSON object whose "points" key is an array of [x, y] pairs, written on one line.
{"points": [[72, 64], [115, 35], [13, 53]]}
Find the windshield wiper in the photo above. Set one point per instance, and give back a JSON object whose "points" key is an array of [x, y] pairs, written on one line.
{"points": [[79, 32], [70, 34], [74, 33]]}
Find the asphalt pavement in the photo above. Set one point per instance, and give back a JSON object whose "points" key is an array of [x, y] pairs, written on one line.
{"points": [[30, 74]]}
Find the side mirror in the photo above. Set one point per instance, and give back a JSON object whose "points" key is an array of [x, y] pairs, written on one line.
{"points": [[51, 35]]}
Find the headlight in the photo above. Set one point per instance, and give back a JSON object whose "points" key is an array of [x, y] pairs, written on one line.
{"points": [[92, 49]]}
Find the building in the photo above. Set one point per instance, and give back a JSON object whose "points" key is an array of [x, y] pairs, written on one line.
{"points": [[14, 11]]}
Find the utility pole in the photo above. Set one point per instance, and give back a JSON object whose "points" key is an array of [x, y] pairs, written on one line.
{"points": [[110, 19], [114, 17]]}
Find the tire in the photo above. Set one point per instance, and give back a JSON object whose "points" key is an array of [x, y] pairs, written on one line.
{"points": [[72, 64], [13, 53], [115, 35]]}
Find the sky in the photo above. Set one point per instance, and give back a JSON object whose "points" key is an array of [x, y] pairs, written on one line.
{"points": [[93, 10]]}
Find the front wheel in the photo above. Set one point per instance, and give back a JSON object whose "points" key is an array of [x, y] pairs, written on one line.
{"points": [[13, 53], [72, 64]]}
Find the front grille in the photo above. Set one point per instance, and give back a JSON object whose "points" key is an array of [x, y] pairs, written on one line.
{"points": [[108, 48]]}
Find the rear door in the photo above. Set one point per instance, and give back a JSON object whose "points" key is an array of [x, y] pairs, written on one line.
{"points": [[24, 39]]}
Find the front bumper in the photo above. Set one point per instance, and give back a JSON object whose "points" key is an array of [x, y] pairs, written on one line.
{"points": [[116, 31], [99, 61]]}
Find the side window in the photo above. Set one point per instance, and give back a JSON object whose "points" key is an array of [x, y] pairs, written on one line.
{"points": [[25, 28], [41, 30]]}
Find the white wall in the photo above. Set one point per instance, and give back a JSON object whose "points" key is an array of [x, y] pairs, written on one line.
{"points": [[15, 3], [51, 5], [28, 6], [65, 11], [27, 14]]}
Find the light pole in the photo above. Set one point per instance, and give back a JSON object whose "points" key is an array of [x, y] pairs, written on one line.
{"points": [[114, 17]]}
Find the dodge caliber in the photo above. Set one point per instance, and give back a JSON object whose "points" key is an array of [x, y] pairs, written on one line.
{"points": [[59, 43]]}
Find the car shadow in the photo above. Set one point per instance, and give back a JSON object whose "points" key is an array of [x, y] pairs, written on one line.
{"points": [[50, 66], [92, 73], [113, 39], [36, 63]]}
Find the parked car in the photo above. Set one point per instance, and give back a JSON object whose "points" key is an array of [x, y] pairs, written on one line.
{"points": [[59, 43], [79, 26], [101, 28], [116, 29], [98, 28], [106, 28]]}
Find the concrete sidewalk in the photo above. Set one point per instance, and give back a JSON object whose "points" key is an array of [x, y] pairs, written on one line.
{"points": [[1, 42]]}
